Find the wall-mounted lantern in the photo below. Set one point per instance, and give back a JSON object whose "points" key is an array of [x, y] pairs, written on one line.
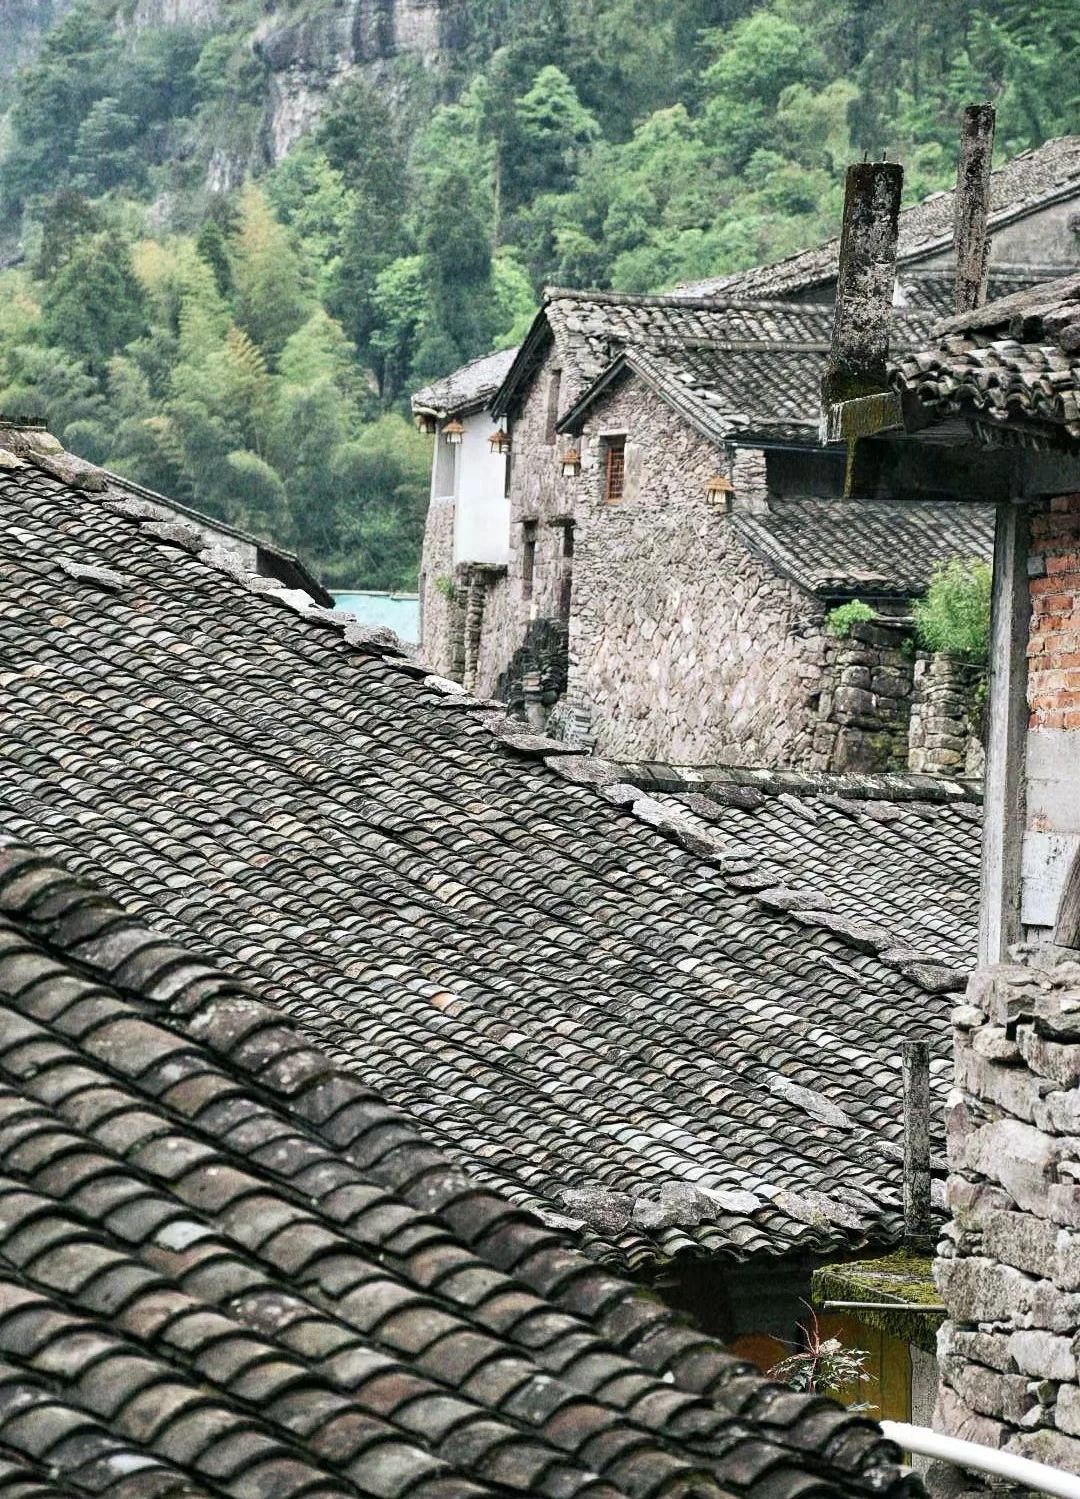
{"points": [[453, 432], [571, 463], [718, 489], [499, 441]]}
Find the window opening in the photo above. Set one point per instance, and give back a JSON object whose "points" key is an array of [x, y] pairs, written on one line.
{"points": [[615, 470], [554, 384], [528, 558]]}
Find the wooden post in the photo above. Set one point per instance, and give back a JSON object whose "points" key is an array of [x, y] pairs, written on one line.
{"points": [[858, 358], [1006, 739], [916, 1064], [972, 206]]}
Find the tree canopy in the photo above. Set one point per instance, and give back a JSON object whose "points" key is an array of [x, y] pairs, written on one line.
{"points": [[245, 332]]}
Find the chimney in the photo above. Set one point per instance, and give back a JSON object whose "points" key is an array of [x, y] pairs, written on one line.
{"points": [[972, 206], [864, 288]]}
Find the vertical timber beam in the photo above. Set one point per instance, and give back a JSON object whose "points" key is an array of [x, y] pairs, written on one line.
{"points": [[916, 1068], [972, 206], [1004, 794]]}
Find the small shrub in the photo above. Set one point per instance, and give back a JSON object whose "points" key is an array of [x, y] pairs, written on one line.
{"points": [[447, 587], [954, 615], [823, 1366], [839, 621]]}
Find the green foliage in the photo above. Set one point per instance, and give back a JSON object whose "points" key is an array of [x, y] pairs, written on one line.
{"points": [[823, 1366], [954, 615], [839, 621], [247, 348]]}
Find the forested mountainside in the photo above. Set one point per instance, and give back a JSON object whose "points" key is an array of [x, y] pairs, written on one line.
{"points": [[236, 232]]}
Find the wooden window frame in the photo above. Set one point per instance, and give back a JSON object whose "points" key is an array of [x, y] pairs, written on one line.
{"points": [[614, 469]]}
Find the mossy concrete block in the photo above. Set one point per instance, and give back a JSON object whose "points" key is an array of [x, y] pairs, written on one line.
{"points": [[903, 1280]]}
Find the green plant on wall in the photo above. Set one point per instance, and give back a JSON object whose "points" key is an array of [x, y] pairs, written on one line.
{"points": [[447, 587], [954, 614], [839, 621]]}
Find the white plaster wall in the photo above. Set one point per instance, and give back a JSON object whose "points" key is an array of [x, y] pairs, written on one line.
{"points": [[482, 516], [1043, 238]]}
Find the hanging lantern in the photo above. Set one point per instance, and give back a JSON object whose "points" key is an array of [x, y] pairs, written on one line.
{"points": [[499, 441], [718, 488], [571, 463], [424, 423], [453, 432]]}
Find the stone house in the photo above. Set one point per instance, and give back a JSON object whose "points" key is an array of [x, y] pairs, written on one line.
{"points": [[719, 382], [467, 532], [992, 408], [700, 629]]}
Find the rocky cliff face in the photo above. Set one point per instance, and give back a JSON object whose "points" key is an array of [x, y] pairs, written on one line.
{"points": [[309, 56], [308, 50]]}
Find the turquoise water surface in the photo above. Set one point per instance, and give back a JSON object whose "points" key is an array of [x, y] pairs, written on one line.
{"points": [[400, 611]]}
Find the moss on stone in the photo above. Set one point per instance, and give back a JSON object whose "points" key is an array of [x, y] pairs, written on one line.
{"points": [[905, 1279]]}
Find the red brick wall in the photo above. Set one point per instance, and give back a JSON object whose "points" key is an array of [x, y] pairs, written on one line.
{"points": [[1054, 639]]}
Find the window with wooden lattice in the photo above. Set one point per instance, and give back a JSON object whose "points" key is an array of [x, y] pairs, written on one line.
{"points": [[614, 469]]}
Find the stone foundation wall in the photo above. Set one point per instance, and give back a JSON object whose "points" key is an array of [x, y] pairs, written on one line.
{"points": [[945, 737], [1009, 1265]]}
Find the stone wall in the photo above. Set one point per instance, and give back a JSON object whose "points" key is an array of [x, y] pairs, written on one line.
{"points": [[439, 624], [1009, 1266], [866, 699], [683, 646], [945, 733]]}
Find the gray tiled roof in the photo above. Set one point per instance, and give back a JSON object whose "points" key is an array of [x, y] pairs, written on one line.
{"points": [[1017, 358], [227, 1268], [465, 389], [722, 388], [777, 348], [884, 852], [567, 992], [591, 328], [872, 546], [1019, 186]]}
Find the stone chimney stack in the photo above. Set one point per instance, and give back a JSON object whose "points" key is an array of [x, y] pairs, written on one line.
{"points": [[859, 354], [973, 206]]}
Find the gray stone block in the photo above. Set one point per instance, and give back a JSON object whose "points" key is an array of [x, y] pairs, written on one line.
{"points": [[976, 1289], [1063, 1204], [958, 1420], [1057, 1060], [1067, 1413], [1051, 1447], [1043, 1354], [1022, 1240], [990, 1393], [1017, 1156]]}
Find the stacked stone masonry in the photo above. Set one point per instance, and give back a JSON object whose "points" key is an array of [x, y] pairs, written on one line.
{"points": [[945, 732], [1009, 1266], [1054, 640]]}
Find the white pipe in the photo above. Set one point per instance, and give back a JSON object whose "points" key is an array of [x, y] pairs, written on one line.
{"points": [[978, 1459]]}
